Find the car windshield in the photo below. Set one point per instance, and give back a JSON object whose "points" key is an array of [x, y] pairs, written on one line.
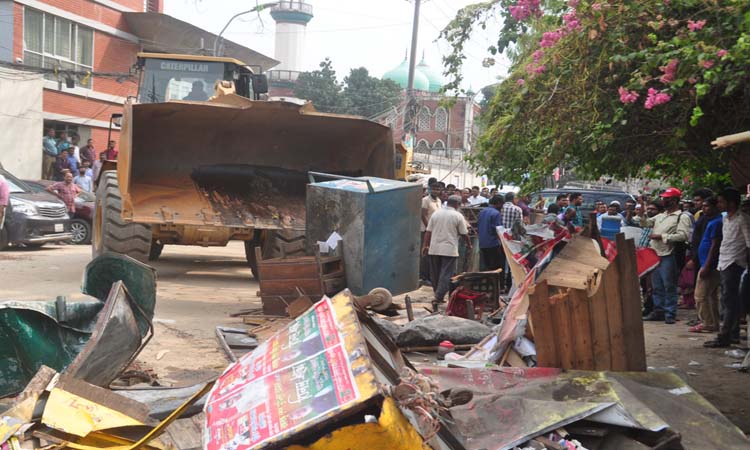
{"points": [[16, 186]]}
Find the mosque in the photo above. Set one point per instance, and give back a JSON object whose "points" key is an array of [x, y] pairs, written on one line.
{"points": [[444, 135]]}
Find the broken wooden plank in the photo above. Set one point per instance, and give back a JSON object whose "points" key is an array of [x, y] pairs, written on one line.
{"points": [[617, 348], [544, 337], [630, 293], [600, 329], [562, 327], [581, 330]]}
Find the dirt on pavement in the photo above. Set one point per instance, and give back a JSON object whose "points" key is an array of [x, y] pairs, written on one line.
{"points": [[198, 288]]}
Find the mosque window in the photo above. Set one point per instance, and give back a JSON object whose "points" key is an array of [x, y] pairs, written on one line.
{"points": [[423, 119], [441, 119], [438, 148], [422, 147]]}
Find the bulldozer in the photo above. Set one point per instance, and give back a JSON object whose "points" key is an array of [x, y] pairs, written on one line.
{"points": [[204, 160]]}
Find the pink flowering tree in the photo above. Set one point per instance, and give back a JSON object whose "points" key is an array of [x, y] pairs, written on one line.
{"points": [[623, 88]]}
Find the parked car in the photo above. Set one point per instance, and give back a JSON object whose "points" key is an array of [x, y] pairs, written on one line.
{"points": [[590, 197], [80, 225], [33, 218]]}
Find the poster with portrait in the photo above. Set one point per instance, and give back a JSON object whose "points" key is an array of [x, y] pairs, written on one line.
{"points": [[298, 375]]}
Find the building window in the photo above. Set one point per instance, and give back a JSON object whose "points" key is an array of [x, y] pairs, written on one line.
{"points": [[423, 119], [422, 147], [50, 41], [441, 119], [438, 148]]}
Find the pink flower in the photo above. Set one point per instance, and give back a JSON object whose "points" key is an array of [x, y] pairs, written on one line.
{"points": [[692, 80], [596, 6], [571, 21], [532, 69], [695, 26], [521, 82], [627, 96], [538, 55], [722, 53], [670, 71], [573, 3], [656, 98], [550, 38], [707, 64], [523, 9]]}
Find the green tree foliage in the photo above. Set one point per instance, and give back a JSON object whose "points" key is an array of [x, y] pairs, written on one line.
{"points": [[629, 87], [360, 94], [321, 88], [368, 96]]}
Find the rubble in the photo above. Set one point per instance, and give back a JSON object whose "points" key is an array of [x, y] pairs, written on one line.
{"points": [[94, 340]]}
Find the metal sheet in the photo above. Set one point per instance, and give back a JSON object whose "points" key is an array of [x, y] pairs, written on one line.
{"points": [[113, 345], [528, 402]]}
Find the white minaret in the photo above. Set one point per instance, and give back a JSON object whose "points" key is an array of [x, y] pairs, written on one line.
{"points": [[291, 18]]}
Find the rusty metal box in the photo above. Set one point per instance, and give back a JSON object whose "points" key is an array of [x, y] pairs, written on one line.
{"points": [[378, 220]]}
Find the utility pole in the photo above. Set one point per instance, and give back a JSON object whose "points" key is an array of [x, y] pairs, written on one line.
{"points": [[411, 101]]}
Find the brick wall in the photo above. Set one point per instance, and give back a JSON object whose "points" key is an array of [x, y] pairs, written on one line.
{"points": [[17, 31], [112, 54], [75, 106], [96, 11]]}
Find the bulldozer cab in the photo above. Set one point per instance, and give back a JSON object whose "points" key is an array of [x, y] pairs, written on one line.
{"points": [[167, 77]]}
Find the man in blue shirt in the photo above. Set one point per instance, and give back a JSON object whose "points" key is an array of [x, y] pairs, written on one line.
{"points": [[49, 154], [489, 219], [708, 281], [576, 201]]}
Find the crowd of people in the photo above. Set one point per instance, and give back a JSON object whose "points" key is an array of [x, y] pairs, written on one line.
{"points": [[443, 228], [62, 155], [702, 244]]}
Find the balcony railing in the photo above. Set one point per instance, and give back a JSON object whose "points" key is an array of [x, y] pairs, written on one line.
{"points": [[283, 75], [293, 5]]}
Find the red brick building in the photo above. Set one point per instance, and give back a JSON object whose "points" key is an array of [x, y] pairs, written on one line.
{"points": [[101, 36], [80, 35]]}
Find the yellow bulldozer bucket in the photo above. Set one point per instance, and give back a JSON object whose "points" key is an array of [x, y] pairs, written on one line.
{"points": [[238, 163]]}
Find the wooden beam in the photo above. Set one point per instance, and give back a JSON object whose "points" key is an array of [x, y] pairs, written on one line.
{"points": [[544, 337], [630, 292], [581, 330]]}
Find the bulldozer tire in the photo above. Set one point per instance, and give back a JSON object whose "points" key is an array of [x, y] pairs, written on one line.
{"points": [[274, 244], [252, 262], [155, 251], [280, 243], [111, 233]]}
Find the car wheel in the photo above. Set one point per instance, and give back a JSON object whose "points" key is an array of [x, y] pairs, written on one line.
{"points": [[81, 231]]}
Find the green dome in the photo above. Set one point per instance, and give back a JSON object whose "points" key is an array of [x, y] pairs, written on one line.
{"points": [[433, 76], [400, 75]]}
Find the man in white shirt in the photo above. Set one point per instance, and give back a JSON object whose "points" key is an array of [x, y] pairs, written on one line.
{"points": [[733, 260], [430, 203], [441, 245], [475, 198]]}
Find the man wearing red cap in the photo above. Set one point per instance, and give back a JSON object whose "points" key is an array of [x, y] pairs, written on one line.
{"points": [[669, 228]]}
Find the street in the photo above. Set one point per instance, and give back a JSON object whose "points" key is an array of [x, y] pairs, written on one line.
{"points": [[198, 288]]}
